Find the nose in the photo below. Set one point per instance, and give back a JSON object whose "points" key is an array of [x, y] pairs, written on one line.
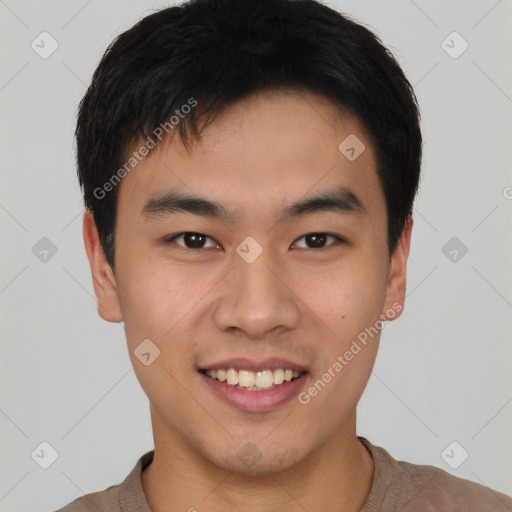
{"points": [[257, 298]]}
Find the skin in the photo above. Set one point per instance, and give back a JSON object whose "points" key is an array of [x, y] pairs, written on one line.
{"points": [[294, 301]]}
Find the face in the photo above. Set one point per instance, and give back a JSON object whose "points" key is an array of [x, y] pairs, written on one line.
{"points": [[256, 288]]}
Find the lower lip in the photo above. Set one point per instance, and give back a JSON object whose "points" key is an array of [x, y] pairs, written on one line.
{"points": [[256, 401]]}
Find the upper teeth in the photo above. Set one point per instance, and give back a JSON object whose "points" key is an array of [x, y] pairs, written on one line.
{"points": [[247, 379]]}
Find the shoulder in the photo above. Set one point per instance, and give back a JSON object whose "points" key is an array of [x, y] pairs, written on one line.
{"points": [[409, 487], [416, 485], [106, 501], [128, 495]]}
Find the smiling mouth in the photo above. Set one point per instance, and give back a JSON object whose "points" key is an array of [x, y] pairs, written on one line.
{"points": [[247, 380]]}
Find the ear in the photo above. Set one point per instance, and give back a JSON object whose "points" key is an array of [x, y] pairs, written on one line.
{"points": [[395, 291], [102, 276]]}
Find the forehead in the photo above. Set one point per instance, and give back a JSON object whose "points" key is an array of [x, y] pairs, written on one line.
{"points": [[273, 147]]}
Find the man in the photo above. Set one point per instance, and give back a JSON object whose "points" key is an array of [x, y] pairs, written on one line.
{"points": [[249, 170]]}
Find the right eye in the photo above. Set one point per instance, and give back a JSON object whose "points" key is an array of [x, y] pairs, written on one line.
{"points": [[192, 240]]}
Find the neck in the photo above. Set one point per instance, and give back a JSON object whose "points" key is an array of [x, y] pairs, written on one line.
{"points": [[337, 477]]}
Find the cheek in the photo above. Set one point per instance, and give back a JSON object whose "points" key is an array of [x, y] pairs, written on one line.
{"points": [[346, 297], [155, 302], [159, 301], [152, 297]]}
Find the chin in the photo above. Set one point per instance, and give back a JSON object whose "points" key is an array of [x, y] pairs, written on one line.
{"points": [[256, 459]]}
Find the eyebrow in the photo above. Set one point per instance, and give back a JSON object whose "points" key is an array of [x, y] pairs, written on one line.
{"points": [[341, 200]]}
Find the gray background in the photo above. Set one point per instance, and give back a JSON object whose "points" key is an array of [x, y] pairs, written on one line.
{"points": [[443, 373]]}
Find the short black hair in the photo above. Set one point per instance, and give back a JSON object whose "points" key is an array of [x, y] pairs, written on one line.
{"points": [[211, 53]]}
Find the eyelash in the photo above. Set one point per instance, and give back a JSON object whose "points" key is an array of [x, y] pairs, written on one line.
{"points": [[174, 237]]}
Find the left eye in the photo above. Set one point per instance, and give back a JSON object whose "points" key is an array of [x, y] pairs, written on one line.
{"points": [[318, 240], [195, 241]]}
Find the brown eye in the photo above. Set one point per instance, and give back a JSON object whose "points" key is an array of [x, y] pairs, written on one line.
{"points": [[191, 240], [318, 240]]}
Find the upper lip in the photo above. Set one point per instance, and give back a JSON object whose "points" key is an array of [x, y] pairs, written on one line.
{"points": [[242, 363]]}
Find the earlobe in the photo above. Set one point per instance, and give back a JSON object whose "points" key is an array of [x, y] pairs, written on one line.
{"points": [[397, 275], [102, 276]]}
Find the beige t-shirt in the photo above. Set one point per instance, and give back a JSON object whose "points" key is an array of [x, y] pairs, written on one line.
{"points": [[397, 486]]}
